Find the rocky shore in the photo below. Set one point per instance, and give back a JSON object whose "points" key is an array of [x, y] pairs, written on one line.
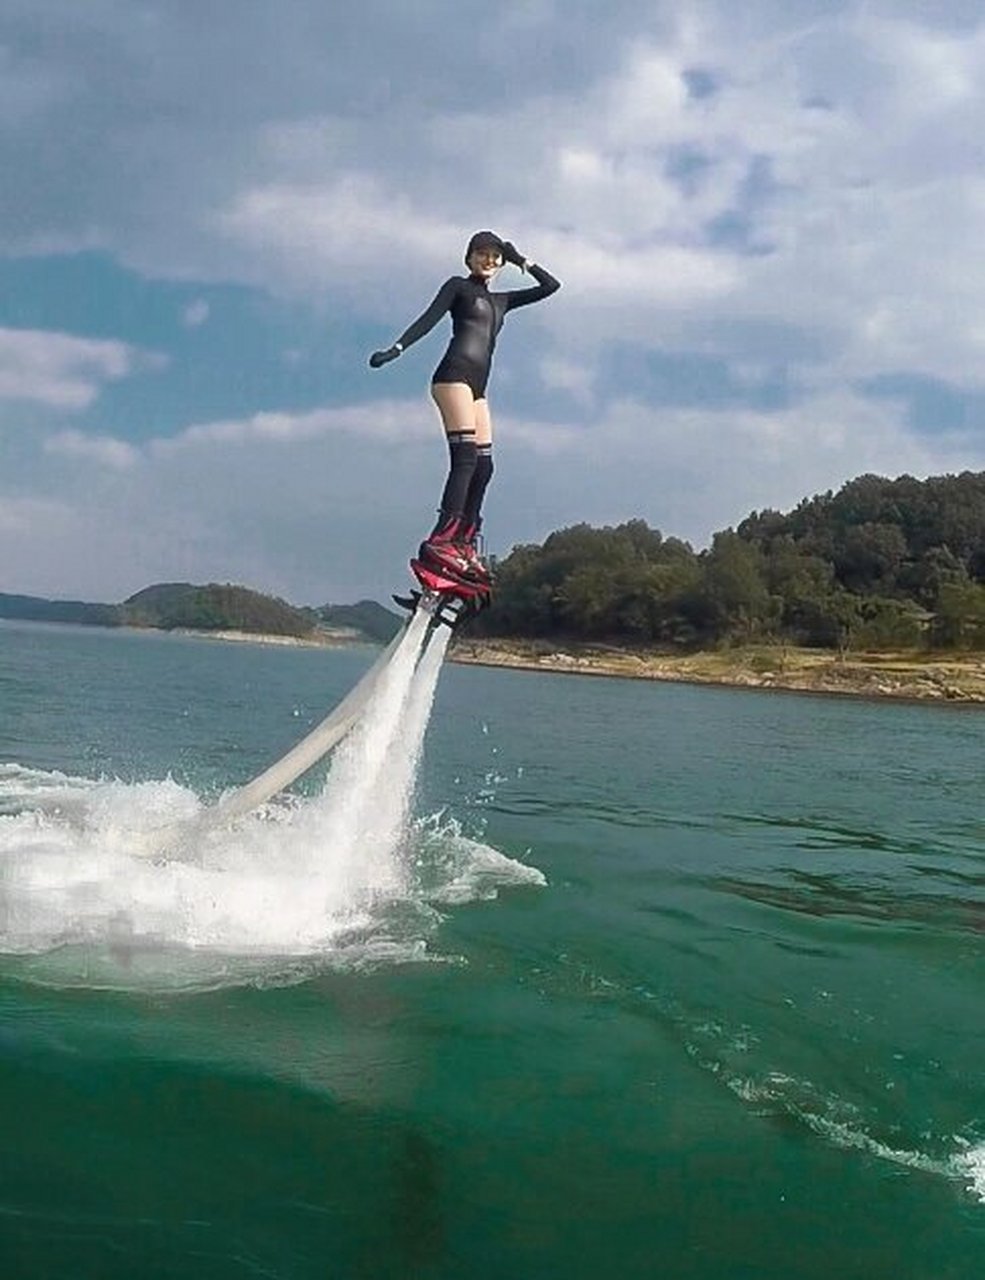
{"points": [[955, 678], [320, 639]]}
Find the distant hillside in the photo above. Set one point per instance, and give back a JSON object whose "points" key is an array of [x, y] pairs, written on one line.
{"points": [[168, 606], [881, 564], [37, 609], [215, 607], [366, 617], [148, 607]]}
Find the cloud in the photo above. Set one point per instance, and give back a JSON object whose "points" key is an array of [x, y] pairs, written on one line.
{"points": [[337, 232], [693, 471], [329, 504], [699, 178], [780, 193], [57, 369], [569, 376], [387, 420], [281, 511], [802, 190], [106, 451], [195, 314], [21, 516]]}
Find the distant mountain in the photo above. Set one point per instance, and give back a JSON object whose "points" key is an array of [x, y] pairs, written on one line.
{"points": [[366, 617], [215, 607], [158, 601], [37, 609], [168, 606]]}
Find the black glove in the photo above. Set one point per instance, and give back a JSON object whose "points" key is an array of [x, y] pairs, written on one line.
{"points": [[379, 358], [512, 254]]}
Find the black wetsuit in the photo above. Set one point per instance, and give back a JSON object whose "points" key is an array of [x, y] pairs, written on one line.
{"points": [[477, 316]]}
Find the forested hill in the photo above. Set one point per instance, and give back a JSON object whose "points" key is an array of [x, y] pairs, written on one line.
{"points": [[38, 609], [214, 607], [879, 564]]}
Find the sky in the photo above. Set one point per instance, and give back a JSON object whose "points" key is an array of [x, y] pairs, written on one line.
{"points": [[766, 219]]}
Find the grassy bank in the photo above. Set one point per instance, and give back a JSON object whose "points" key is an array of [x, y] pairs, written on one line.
{"points": [[917, 675]]}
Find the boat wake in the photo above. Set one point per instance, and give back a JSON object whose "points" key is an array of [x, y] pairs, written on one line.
{"points": [[791, 1099]]}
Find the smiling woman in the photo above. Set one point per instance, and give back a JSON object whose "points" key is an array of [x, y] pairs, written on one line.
{"points": [[458, 387]]}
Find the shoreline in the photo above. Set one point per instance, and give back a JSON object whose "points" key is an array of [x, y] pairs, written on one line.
{"points": [[341, 638], [954, 679], [320, 640], [911, 677]]}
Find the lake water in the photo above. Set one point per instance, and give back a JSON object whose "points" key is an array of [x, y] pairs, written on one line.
{"points": [[608, 978]]}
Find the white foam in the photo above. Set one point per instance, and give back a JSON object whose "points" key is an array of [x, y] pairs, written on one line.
{"points": [[849, 1138], [969, 1166], [22, 788], [454, 868], [345, 877], [841, 1124]]}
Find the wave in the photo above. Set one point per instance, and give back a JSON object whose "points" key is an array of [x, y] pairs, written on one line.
{"points": [[800, 1101], [740, 1059], [969, 1165], [797, 1100]]}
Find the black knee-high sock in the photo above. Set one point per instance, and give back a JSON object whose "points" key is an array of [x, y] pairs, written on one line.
{"points": [[463, 457], [471, 512]]}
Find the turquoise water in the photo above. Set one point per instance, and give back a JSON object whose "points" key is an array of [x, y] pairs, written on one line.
{"points": [[652, 980]]}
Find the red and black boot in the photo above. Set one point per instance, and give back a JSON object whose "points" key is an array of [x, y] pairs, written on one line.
{"points": [[468, 538], [442, 551]]}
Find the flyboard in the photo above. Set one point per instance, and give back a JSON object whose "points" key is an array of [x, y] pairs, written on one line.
{"points": [[447, 599], [441, 600]]}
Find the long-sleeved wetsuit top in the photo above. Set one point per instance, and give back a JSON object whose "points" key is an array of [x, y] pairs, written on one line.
{"points": [[477, 316]]}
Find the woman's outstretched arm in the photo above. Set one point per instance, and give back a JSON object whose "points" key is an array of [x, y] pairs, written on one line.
{"points": [[423, 324]]}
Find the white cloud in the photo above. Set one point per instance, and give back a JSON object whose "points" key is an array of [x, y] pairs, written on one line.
{"points": [[840, 147], [344, 231], [195, 314], [313, 511], [309, 506], [814, 211], [570, 376], [380, 420], [106, 451], [22, 516], [840, 139], [57, 369], [693, 471]]}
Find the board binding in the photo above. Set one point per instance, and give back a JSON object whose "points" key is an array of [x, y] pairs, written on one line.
{"points": [[449, 600]]}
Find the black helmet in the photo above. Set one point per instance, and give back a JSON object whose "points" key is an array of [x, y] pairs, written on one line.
{"points": [[483, 240]]}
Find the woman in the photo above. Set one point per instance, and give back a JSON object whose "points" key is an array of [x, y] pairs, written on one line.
{"points": [[458, 387]]}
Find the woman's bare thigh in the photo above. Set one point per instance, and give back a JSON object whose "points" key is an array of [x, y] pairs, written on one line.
{"points": [[483, 422], [456, 406]]}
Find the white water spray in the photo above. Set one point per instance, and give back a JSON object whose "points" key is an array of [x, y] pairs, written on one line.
{"points": [[356, 824], [298, 884]]}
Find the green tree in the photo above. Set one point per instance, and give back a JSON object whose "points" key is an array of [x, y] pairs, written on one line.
{"points": [[924, 578], [959, 620], [869, 556], [888, 624], [733, 592]]}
